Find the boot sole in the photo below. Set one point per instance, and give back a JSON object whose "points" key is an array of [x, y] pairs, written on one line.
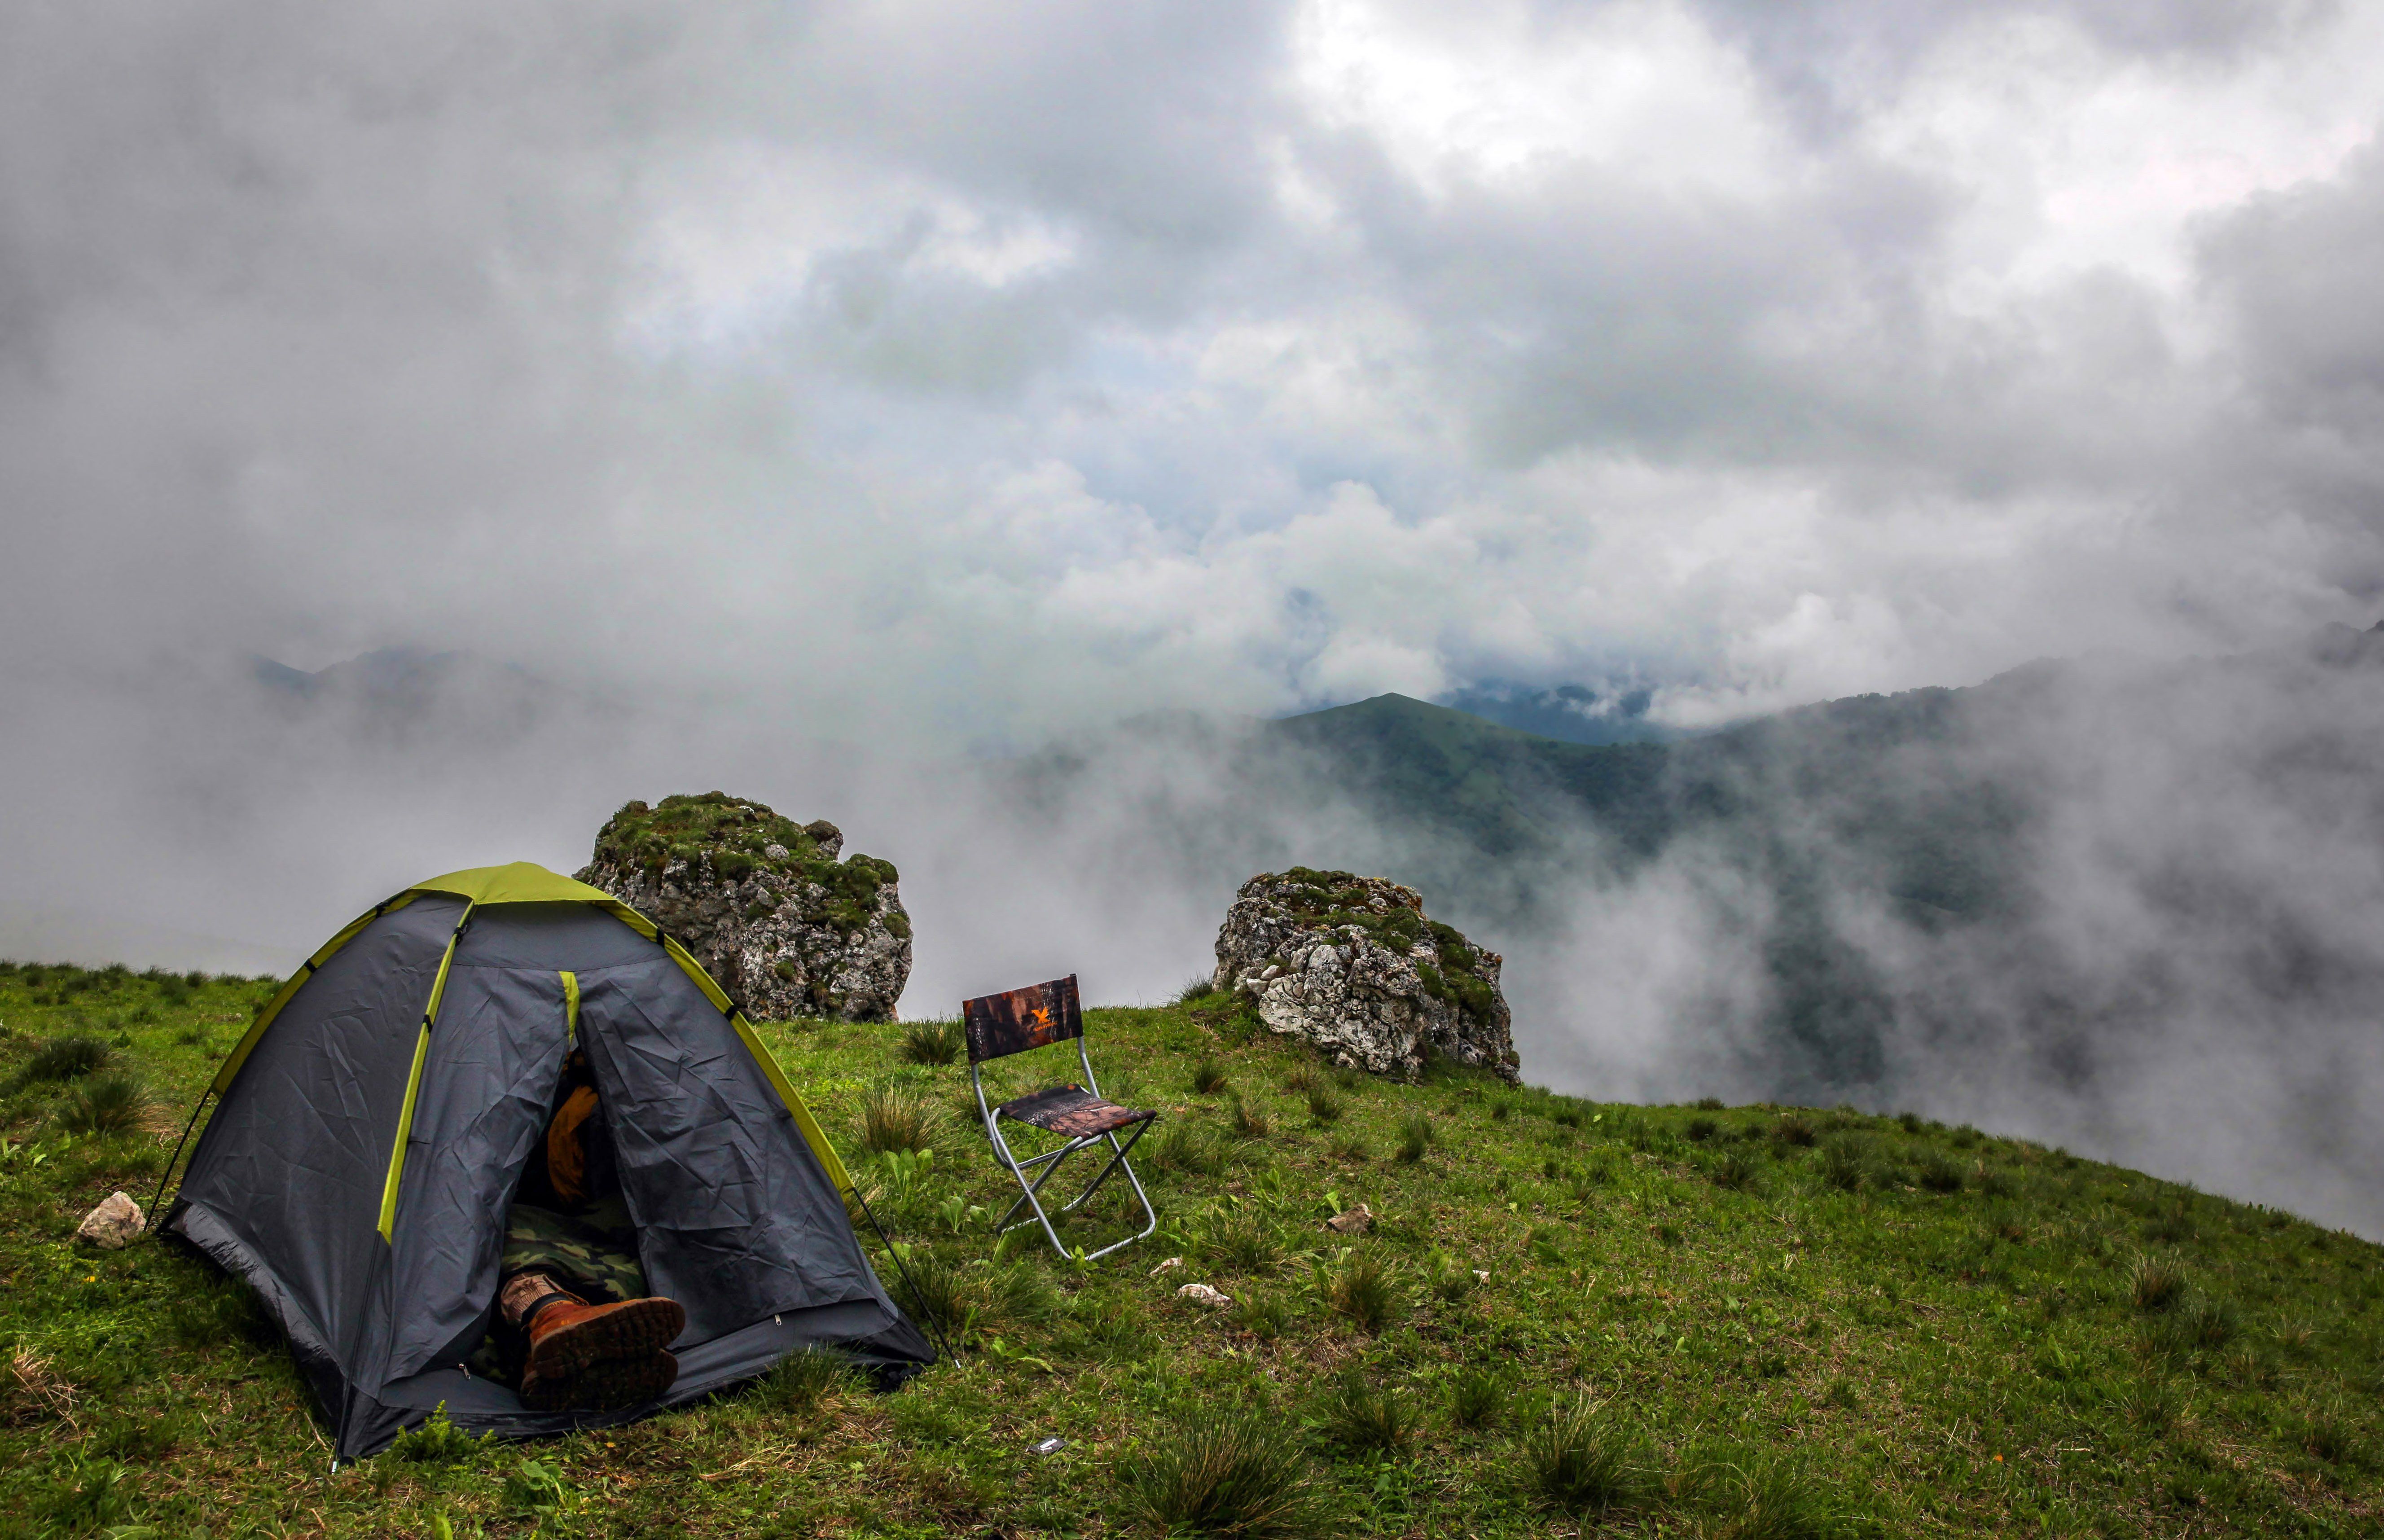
{"points": [[608, 1384], [625, 1331]]}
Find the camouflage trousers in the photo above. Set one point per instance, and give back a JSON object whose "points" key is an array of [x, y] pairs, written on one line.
{"points": [[596, 1256]]}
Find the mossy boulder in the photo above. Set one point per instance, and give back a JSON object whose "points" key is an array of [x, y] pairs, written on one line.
{"points": [[1352, 965], [764, 903]]}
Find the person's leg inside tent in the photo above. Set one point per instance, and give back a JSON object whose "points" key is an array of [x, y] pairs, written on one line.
{"points": [[572, 1303]]}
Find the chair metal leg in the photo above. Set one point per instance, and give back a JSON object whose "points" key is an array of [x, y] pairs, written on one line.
{"points": [[1149, 1214], [1033, 1193], [1030, 1194]]}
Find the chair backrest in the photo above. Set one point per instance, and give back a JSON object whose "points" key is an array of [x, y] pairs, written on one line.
{"points": [[1017, 1019]]}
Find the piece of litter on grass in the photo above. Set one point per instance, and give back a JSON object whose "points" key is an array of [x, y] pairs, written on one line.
{"points": [[1201, 1294], [1046, 1447], [1480, 1275], [1171, 1261]]}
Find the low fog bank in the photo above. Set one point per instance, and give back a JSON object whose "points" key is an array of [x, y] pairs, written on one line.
{"points": [[2135, 910], [2131, 909]]}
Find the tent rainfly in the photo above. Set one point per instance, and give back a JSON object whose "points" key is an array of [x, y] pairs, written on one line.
{"points": [[375, 1121]]}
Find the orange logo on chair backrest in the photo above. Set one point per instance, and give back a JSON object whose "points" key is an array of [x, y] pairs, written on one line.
{"points": [[1018, 1020]]}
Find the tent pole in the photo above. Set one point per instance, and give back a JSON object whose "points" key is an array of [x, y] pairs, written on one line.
{"points": [[167, 1175], [919, 1300]]}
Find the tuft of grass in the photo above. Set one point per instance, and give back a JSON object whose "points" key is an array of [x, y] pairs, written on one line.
{"points": [[2148, 1405], [1191, 1148], [2326, 1433], [933, 1289], [1735, 1172], [1221, 1473], [1578, 1464], [1709, 1104], [1238, 1243], [1794, 1129], [932, 1042], [1264, 1316], [1698, 1130], [1199, 986], [1363, 1290], [2196, 1324], [1479, 1399], [1415, 1137], [1845, 1163], [1756, 1495], [1368, 1419], [1207, 1076], [894, 1117], [1323, 1105], [2155, 1283], [2295, 1335], [801, 1382], [2173, 1225], [115, 1103], [1453, 1283], [67, 1058], [2250, 1368], [434, 1441], [1939, 1174], [1250, 1122]]}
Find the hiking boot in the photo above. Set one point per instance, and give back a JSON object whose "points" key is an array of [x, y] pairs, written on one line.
{"points": [[607, 1384], [567, 1335]]}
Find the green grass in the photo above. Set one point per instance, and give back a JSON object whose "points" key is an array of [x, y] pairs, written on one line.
{"points": [[2044, 1346], [934, 1042]]}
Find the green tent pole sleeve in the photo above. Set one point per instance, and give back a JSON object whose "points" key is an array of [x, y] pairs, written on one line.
{"points": [[413, 1081]]}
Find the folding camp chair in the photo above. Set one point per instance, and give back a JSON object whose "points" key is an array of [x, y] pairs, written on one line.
{"points": [[999, 1025]]}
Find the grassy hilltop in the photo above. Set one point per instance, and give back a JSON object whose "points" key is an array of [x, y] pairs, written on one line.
{"points": [[1570, 1318]]}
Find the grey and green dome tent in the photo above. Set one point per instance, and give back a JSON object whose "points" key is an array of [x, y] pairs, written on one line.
{"points": [[374, 1122]]}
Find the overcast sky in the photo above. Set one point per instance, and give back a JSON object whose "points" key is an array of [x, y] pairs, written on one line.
{"points": [[949, 372]]}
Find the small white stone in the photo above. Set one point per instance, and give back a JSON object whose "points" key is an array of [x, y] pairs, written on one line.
{"points": [[1171, 1261], [1201, 1294], [113, 1224], [775, 852]]}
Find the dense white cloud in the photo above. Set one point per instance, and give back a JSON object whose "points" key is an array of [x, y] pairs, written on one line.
{"points": [[1249, 356]]}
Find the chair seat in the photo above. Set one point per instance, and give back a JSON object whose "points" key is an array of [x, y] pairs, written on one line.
{"points": [[1072, 1110]]}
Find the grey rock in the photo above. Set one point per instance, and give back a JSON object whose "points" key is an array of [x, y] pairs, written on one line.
{"points": [[764, 904], [1357, 1221], [1352, 965], [114, 1225]]}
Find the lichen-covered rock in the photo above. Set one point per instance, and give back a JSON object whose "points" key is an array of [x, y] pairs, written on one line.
{"points": [[764, 903], [1352, 965]]}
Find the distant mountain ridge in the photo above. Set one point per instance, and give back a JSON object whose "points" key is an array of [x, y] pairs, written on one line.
{"points": [[1884, 861], [400, 691], [1570, 714]]}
